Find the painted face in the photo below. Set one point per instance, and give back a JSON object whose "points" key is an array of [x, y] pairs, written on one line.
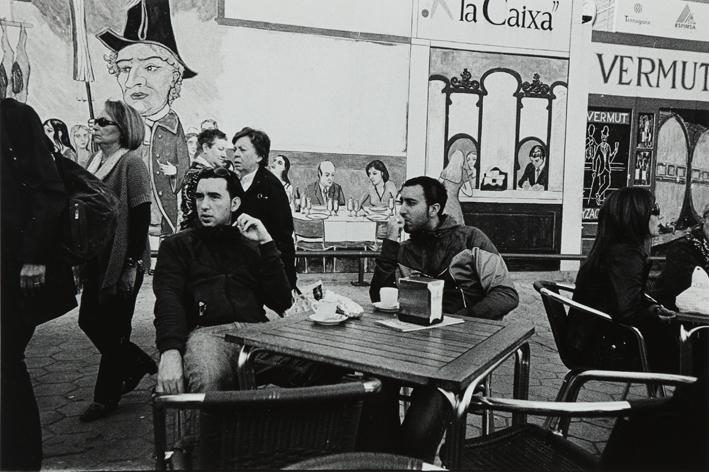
{"points": [[277, 166], [537, 158], [327, 175], [106, 135], [216, 154], [245, 157], [471, 159], [705, 226], [49, 131], [144, 77], [81, 138], [192, 145], [375, 176], [214, 207], [414, 209]]}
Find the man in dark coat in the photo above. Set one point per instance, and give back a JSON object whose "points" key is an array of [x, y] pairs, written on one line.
{"points": [[536, 174], [264, 196], [36, 286]]}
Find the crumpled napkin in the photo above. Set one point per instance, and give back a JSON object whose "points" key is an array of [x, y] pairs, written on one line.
{"points": [[346, 306], [696, 298]]}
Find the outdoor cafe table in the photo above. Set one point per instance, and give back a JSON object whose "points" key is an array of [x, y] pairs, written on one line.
{"points": [[455, 358]]}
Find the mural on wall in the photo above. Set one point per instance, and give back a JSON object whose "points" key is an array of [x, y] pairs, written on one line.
{"points": [[606, 157], [15, 64], [646, 123], [496, 123], [144, 52], [682, 168], [643, 164]]}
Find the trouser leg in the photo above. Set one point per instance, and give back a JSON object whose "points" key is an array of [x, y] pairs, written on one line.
{"points": [[425, 423], [379, 425], [20, 430]]}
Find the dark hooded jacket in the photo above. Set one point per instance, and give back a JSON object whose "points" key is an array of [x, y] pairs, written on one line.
{"points": [[477, 282]]}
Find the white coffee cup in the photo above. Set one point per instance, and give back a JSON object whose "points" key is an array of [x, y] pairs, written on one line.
{"points": [[389, 296]]}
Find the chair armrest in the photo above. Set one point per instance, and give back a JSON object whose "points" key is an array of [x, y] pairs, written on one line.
{"points": [[575, 409], [569, 302], [576, 382]]}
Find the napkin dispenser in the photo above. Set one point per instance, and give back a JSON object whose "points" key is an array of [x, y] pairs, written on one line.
{"points": [[420, 300]]}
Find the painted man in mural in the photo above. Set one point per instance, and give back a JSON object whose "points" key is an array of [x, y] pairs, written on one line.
{"points": [[149, 70], [535, 176], [602, 167], [325, 188]]}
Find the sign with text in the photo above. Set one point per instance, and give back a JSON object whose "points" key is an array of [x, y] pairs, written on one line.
{"points": [[390, 17], [543, 25], [647, 72], [668, 18]]}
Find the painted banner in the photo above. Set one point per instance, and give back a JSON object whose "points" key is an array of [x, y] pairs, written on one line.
{"points": [[606, 157]]}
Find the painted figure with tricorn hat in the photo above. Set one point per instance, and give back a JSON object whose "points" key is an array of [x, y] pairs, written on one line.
{"points": [[149, 70]]}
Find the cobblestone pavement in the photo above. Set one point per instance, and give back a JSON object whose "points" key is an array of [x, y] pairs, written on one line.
{"points": [[63, 365]]}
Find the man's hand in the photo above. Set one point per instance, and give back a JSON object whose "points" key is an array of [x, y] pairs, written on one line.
{"points": [[394, 227], [168, 169], [170, 376], [252, 228], [127, 280], [32, 277]]}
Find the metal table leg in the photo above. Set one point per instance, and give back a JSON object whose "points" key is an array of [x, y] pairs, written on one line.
{"points": [[521, 381]]}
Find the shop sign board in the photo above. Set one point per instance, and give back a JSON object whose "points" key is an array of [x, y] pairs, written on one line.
{"points": [[676, 19], [524, 24], [633, 71]]}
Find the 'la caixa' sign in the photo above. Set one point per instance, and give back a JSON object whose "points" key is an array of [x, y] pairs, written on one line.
{"points": [[543, 25]]}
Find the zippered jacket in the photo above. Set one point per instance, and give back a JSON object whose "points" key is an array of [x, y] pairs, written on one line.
{"points": [[477, 282]]}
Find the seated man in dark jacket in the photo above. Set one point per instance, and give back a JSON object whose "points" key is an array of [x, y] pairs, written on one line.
{"points": [[477, 284], [213, 279]]}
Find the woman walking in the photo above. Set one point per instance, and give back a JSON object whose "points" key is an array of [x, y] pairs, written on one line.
{"points": [[112, 281]]}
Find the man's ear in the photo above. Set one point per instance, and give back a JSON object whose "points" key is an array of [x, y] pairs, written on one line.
{"points": [[235, 204], [433, 209], [205, 147]]}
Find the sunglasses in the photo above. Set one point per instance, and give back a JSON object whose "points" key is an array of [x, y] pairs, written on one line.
{"points": [[103, 122], [655, 210]]}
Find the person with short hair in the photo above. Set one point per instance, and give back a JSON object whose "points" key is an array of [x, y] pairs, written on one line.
{"points": [[212, 144], [476, 284], [536, 174], [112, 280], [325, 188], [264, 196]]}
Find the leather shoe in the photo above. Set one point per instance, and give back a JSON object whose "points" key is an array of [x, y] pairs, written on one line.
{"points": [[132, 381], [96, 411]]}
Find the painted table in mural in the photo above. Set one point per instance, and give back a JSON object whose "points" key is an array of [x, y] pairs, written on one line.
{"points": [[344, 226]]}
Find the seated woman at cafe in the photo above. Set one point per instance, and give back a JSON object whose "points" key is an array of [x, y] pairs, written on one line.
{"points": [[380, 189], [613, 280], [683, 256]]}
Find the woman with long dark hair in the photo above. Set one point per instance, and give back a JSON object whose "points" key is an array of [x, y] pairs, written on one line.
{"points": [[58, 133], [279, 166], [613, 279], [112, 280], [380, 189]]}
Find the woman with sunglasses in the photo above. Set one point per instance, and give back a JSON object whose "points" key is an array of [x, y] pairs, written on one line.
{"points": [[111, 281], [613, 279]]}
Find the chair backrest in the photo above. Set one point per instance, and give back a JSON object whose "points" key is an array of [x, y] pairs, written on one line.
{"points": [[272, 427], [359, 461], [309, 229], [694, 344], [557, 316]]}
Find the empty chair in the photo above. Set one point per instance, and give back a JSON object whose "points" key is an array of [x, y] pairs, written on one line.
{"points": [[267, 428], [535, 448], [310, 236]]}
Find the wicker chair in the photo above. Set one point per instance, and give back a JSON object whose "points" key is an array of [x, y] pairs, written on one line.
{"points": [[535, 448], [361, 461], [267, 428]]}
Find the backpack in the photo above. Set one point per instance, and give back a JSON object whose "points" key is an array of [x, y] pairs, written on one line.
{"points": [[89, 221]]}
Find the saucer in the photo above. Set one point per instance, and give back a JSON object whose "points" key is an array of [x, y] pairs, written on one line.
{"points": [[386, 309], [336, 319]]}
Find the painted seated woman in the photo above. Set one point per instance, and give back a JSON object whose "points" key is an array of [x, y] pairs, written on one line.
{"points": [[613, 279], [683, 256], [280, 165], [459, 176], [380, 189]]}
